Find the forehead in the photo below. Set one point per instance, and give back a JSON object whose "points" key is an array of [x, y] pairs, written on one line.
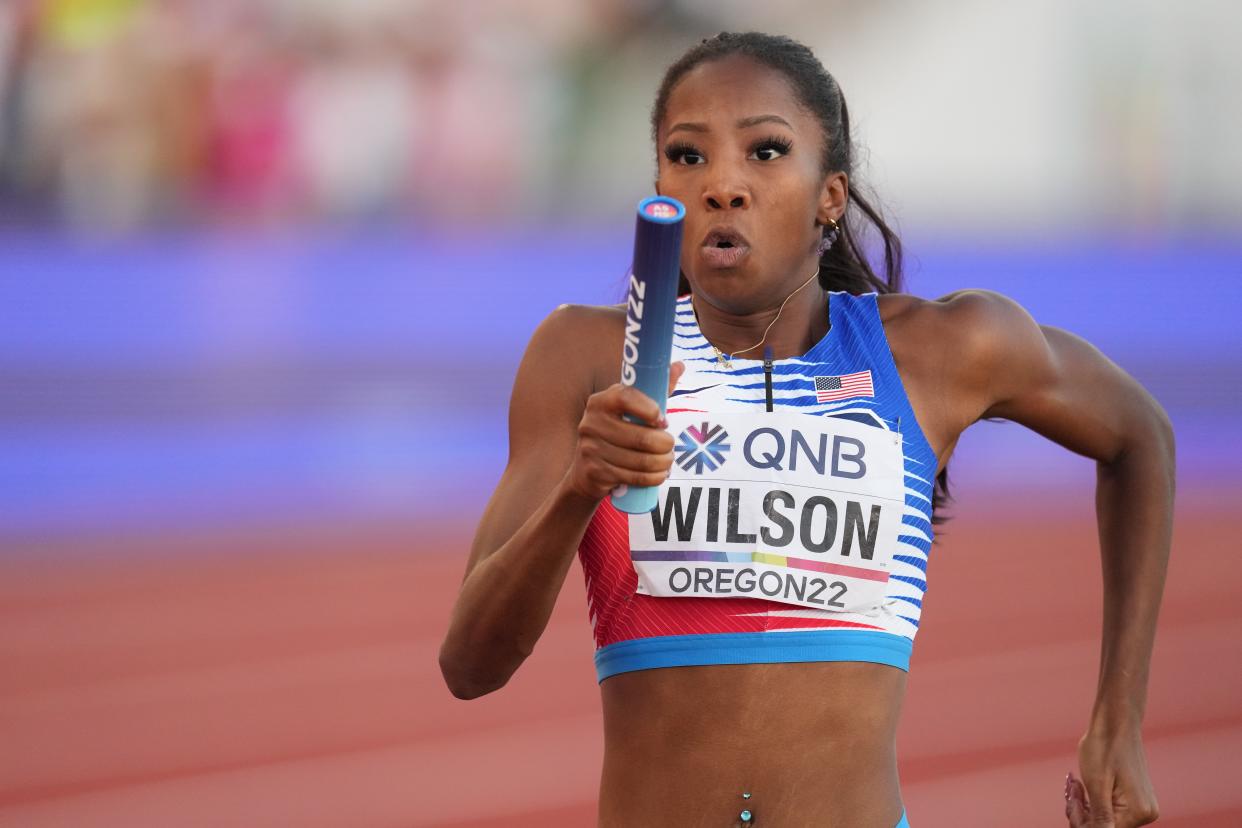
{"points": [[731, 88]]}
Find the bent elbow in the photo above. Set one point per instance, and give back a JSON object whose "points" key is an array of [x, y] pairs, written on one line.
{"points": [[1158, 438], [1148, 435], [1165, 430], [464, 683], [467, 690]]}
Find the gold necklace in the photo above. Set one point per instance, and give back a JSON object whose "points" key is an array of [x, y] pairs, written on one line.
{"points": [[726, 360]]}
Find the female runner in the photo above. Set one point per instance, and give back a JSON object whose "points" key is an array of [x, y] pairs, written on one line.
{"points": [[778, 709]]}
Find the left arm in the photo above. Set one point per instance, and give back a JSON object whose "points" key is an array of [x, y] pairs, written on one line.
{"points": [[1063, 388]]}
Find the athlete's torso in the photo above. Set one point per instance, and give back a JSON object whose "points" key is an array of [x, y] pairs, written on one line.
{"points": [[796, 525], [693, 738]]}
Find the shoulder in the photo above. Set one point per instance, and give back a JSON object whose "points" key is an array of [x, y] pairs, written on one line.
{"points": [[975, 308], [979, 327], [582, 320], [587, 328], [578, 342], [959, 353]]}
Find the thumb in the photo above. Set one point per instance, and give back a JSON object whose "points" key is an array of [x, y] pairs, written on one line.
{"points": [[1100, 802], [674, 373], [1076, 808]]}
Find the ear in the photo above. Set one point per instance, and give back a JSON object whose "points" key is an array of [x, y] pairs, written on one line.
{"points": [[833, 198]]}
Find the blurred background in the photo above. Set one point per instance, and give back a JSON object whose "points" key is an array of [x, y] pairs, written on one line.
{"points": [[266, 272]]}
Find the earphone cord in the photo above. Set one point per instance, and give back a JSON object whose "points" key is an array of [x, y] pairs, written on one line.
{"points": [[770, 324]]}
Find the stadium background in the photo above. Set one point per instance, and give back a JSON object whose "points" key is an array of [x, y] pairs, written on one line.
{"points": [[266, 272]]}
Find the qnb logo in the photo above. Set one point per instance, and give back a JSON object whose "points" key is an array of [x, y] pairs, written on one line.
{"points": [[702, 448]]}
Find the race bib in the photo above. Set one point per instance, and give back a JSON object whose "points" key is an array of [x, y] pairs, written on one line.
{"points": [[794, 508]]}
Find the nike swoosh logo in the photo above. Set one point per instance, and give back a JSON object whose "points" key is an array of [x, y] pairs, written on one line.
{"points": [[679, 392]]}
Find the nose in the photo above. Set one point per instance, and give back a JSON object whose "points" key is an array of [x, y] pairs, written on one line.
{"points": [[726, 188]]}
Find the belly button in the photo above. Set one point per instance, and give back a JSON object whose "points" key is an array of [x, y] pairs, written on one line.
{"points": [[746, 816]]}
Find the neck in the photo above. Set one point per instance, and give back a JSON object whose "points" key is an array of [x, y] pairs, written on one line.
{"points": [[802, 323]]}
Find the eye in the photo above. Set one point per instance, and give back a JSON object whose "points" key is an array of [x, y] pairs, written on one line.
{"points": [[684, 154], [769, 149]]}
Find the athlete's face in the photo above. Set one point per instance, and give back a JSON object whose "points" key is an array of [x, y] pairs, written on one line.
{"points": [[744, 157]]}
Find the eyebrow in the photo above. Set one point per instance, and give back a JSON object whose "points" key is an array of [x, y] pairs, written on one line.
{"points": [[742, 123]]}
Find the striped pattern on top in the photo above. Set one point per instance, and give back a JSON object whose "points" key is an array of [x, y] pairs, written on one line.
{"points": [[855, 346]]}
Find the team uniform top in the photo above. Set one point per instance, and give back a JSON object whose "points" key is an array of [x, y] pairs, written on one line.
{"points": [[799, 533]]}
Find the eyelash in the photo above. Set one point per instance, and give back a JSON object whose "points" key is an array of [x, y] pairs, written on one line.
{"points": [[677, 151], [775, 142]]}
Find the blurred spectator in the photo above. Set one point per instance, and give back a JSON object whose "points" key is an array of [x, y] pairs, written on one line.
{"points": [[246, 175], [122, 114], [352, 115], [17, 39]]}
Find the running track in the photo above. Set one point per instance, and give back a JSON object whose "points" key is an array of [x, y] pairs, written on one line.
{"points": [[288, 678]]}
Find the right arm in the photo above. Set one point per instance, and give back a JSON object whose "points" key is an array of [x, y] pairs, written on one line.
{"points": [[568, 448]]}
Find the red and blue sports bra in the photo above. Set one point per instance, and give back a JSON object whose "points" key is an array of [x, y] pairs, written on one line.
{"points": [[796, 521]]}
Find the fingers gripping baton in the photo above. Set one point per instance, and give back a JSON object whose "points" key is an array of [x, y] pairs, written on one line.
{"points": [[650, 307]]}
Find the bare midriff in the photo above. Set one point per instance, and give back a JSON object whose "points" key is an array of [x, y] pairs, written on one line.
{"points": [[814, 744]]}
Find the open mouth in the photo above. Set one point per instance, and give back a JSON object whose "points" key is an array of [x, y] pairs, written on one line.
{"points": [[724, 239], [724, 247]]}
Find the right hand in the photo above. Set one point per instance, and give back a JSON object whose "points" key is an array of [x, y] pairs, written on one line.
{"points": [[612, 451]]}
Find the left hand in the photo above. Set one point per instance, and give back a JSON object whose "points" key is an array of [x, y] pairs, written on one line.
{"points": [[1115, 790]]}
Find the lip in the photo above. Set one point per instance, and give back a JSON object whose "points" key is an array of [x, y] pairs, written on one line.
{"points": [[723, 257]]}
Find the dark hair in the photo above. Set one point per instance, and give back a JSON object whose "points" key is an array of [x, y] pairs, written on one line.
{"points": [[845, 265]]}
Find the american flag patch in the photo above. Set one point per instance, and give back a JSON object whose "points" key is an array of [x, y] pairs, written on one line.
{"points": [[858, 384]]}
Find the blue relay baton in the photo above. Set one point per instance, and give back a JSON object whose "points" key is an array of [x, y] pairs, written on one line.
{"points": [[651, 304]]}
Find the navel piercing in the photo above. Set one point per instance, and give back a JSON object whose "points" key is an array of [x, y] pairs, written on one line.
{"points": [[746, 816]]}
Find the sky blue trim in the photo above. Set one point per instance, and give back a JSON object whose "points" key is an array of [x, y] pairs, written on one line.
{"points": [[753, 648], [905, 822]]}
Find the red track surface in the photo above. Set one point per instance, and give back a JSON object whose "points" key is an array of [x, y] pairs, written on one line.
{"points": [[291, 680]]}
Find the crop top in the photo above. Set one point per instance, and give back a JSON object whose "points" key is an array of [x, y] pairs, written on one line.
{"points": [[795, 525]]}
